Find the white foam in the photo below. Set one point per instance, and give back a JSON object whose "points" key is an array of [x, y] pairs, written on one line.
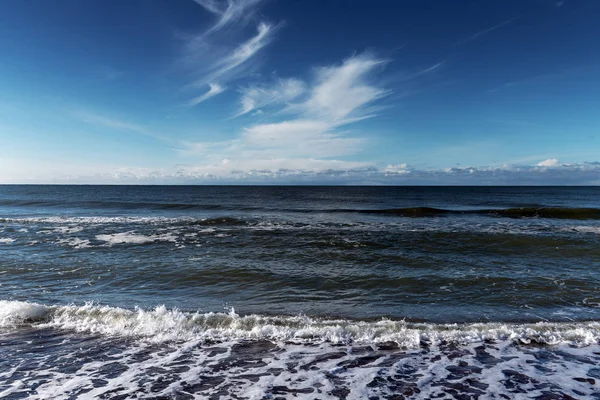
{"points": [[15, 313], [6, 240], [312, 371], [95, 220], [162, 324], [584, 229], [134, 238], [76, 243], [68, 229]]}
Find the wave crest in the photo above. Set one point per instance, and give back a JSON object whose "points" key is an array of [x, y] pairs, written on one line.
{"points": [[161, 324]]}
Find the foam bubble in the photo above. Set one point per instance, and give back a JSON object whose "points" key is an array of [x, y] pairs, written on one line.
{"points": [[6, 240]]}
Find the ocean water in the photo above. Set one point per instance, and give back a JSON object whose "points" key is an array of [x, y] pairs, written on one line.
{"points": [[118, 292]]}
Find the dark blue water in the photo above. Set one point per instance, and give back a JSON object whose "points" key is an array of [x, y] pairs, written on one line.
{"points": [[137, 276]]}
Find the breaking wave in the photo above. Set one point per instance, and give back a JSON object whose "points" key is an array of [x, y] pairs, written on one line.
{"points": [[101, 220], [161, 324]]}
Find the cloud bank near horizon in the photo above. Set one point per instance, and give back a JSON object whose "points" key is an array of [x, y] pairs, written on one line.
{"points": [[584, 173]]}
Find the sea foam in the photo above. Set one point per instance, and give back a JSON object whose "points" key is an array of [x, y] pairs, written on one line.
{"points": [[134, 238]]}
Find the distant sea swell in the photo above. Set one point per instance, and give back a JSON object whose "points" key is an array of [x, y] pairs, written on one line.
{"points": [[415, 212]]}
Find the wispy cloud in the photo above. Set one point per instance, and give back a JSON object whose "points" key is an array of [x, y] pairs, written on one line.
{"points": [[342, 91], [226, 67], [298, 138], [550, 76], [487, 30], [214, 89], [93, 118], [337, 94], [308, 116], [228, 12], [283, 91], [213, 57]]}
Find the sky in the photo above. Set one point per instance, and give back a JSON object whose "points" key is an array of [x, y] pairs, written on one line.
{"points": [[349, 92]]}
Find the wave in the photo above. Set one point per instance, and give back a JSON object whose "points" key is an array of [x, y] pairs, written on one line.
{"points": [[99, 220], [161, 324], [521, 212], [125, 205], [412, 212]]}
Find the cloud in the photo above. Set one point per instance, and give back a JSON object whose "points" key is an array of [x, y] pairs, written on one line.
{"points": [[338, 93], [255, 97], [113, 123], [342, 92], [488, 30], [310, 116], [396, 169], [306, 170], [298, 138], [285, 141], [551, 162], [226, 67], [228, 12], [214, 89], [213, 57]]}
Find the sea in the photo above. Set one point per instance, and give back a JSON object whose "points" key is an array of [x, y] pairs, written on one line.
{"points": [[299, 292]]}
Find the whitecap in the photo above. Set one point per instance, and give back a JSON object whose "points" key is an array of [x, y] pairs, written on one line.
{"points": [[134, 238], [162, 324]]}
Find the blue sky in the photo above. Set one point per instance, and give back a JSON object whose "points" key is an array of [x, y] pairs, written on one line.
{"points": [[312, 91]]}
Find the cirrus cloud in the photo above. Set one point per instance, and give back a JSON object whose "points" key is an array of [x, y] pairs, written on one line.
{"points": [[212, 58], [308, 116]]}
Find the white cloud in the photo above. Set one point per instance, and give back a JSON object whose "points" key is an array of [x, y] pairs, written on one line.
{"points": [[341, 92], [213, 58], [288, 140], [298, 138], [299, 170], [319, 171], [255, 97], [288, 131], [550, 162], [396, 169], [225, 68], [113, 123], [214, 89], [338, 96], [487, 30], [228, 12], [268, 167]]}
